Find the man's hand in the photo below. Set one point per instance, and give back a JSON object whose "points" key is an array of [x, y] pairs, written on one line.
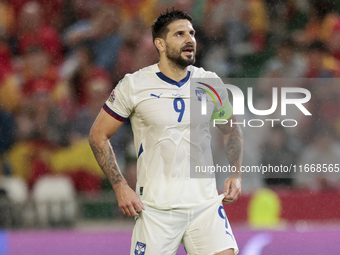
{"points": [[232, 189], [128, 200]]}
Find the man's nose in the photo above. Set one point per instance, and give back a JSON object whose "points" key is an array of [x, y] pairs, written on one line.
{"points": [[190, 39]]}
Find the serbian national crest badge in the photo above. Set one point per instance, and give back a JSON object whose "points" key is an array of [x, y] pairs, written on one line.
{"points": [[140, 248]]}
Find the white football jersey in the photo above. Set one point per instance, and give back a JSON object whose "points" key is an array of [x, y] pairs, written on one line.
{"points": [[170, 133]]}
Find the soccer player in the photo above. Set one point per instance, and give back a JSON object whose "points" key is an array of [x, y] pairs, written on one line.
{"points": [[169, 206]]}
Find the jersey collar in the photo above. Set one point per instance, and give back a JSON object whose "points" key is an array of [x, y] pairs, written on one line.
{"points": [[173, 82]]}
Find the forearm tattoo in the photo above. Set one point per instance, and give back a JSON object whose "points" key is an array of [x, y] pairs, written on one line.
{"points": [[107, 161], [234, 144], [234, 147]]}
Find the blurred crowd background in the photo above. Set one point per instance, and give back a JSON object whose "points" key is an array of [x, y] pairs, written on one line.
{"points": [[60, 59]]}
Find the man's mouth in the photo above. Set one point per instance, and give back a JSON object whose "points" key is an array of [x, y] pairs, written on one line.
{"points": [[188, 50]]}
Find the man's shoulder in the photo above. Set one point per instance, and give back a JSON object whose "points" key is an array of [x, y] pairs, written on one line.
{"points": [[200, 72], [149, 70], [144, 74]]}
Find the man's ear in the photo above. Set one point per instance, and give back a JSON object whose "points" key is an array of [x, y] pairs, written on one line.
{"points": [[160, 44]]}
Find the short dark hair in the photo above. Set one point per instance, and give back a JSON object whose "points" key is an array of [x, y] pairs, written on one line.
{"points": [[160, 25]]}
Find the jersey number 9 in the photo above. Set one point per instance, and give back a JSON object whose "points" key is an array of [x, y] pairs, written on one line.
{"points": [[180, 109]]}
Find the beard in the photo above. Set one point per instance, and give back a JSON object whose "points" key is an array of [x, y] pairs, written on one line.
{"points": [[175, 57]]}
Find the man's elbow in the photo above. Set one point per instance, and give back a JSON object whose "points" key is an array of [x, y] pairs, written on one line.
{"points": [[93, 137], [97, 136]]}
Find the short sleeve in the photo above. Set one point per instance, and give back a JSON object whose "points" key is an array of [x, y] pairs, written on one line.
{"points": [[223, 108], [120, 103]]}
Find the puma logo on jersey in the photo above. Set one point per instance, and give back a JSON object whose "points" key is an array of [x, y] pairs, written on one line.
{"points": [[153, 95]]}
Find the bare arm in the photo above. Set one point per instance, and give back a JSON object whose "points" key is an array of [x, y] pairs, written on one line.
{"points": [[103, 128], [234, 146]]}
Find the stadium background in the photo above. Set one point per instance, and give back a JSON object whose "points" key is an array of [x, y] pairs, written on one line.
{"points": [[60, 59]]}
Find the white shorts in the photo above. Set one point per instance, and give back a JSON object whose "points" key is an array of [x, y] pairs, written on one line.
{"points": [[203, 230]]}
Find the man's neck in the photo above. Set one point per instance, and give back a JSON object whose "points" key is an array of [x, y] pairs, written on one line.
{"points": [[171, 70]]}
